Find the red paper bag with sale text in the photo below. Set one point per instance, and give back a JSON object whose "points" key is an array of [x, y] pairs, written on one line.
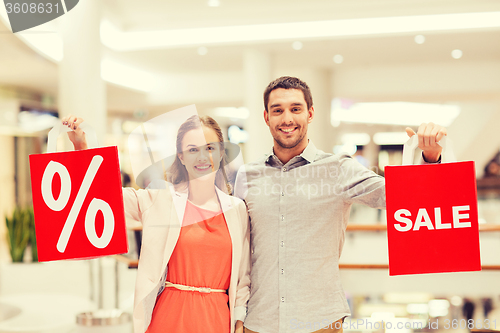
{"points": [[432, 221], [77, 201]]}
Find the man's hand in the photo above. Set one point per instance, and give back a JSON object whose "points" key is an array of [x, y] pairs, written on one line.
{"points": [[239, 327], [428, 137], [77, 136]]}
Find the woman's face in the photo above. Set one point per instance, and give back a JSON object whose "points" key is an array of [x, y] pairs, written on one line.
{"points": [[201, 153]]}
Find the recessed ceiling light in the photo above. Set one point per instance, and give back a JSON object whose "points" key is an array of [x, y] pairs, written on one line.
{"points": [[202, 50], [338, 59], [297, 45], [213, 3], [456, 54], [419, 39]]}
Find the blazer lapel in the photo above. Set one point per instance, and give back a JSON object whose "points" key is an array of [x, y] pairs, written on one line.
{"points": [[234, 227], [174, 223]]}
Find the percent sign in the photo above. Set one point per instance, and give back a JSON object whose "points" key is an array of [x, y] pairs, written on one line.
{"points": [[95, 205]]}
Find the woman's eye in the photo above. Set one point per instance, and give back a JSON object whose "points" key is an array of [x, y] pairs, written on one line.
{"points": [[211, 148], [193, 150]]}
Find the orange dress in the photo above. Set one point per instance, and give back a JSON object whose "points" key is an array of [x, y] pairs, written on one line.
{"points": [[201, 258]]}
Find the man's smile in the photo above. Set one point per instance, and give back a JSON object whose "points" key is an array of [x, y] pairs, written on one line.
{"points": [[288, 130]]}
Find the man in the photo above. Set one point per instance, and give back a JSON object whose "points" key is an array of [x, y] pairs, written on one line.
{"points": [[299, 199]]}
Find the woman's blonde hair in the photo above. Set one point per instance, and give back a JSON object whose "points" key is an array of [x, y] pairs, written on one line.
{"points": [[177, 173]]}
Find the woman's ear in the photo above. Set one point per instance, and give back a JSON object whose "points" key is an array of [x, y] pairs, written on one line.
{"points": [[181, 158]]}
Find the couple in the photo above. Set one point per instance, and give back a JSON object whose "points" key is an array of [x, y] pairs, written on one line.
{"points": [[296, 235]]}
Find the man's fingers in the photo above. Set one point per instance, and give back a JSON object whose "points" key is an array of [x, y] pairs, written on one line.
{"points": [[420, 134], [410, 132], [442, 132], [429, 139]]}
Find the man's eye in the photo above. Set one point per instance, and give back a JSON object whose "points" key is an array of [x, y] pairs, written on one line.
{"points": [[295, 109], [277, 111]]}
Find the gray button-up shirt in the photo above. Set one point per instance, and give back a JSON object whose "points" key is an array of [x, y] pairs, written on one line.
{"points": [[299, 213]]}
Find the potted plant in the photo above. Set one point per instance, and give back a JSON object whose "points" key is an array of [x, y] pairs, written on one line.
{"points": [[21, 233]]}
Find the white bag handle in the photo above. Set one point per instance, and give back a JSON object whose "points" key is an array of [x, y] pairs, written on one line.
{"points": [[409, 147], [60, 128]]}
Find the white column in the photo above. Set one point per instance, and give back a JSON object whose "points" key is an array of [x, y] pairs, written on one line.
{"points": [[371, 151], [320, 130], [257, 75], [8, 193], [82, 92]]}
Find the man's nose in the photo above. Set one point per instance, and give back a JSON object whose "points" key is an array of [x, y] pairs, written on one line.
{"points": [[287, 117]]}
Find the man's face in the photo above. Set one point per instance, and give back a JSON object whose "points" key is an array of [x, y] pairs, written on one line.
{"points": [[288, 117]]}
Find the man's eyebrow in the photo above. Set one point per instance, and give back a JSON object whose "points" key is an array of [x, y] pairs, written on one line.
{"points": [[293, 104]]}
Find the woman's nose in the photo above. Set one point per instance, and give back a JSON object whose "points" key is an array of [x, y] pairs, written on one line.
{"points": [[203, 155]]}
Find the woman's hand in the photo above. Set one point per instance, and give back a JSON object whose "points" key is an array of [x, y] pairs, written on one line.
{"points": [[239, 327], [76, 136]]}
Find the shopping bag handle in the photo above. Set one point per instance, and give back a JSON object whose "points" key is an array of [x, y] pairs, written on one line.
{"points": [[60, 128], [409, 147]]}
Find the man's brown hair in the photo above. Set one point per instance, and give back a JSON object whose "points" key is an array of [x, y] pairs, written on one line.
{"points": [[289, 82]]}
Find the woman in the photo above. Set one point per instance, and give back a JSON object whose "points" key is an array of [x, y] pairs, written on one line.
{"points": [[194, 264]]}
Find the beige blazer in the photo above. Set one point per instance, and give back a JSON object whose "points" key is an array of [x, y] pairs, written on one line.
{"points": [[161, 211]]}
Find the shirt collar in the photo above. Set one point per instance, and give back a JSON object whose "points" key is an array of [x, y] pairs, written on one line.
{"points": [[308, 154]]}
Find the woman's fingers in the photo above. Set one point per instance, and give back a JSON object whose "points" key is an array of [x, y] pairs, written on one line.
{"points": [[72, 121], [77, 123]]}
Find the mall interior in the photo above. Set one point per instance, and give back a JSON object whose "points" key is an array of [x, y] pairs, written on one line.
{"points": [[374, 68]]}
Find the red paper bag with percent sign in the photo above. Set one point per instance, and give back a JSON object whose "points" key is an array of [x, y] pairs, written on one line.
{"points": [[432, 221], [77, 201]]}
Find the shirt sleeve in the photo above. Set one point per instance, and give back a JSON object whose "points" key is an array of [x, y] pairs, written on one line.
{"points": [[240, 184], [361, 185]]}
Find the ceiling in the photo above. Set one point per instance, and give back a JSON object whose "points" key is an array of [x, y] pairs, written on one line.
{"points": [[22, 67]]}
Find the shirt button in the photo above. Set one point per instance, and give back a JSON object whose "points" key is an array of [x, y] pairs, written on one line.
{"points": [[282, 194], [282, 243], [282, 299], [282, 217], [284, 169], [282, 271]]}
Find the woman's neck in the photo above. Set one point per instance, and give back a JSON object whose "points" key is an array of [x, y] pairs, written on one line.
{"points": [[203, 194]]}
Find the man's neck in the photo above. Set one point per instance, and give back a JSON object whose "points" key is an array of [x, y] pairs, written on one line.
{"points": [[286, 154]]}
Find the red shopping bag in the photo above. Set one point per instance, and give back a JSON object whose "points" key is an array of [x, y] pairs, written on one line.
{"points": [[77, 201], [432, 221]]}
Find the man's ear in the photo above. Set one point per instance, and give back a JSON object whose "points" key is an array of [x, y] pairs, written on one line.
{"points": [[266, 117], [310, 114]]}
